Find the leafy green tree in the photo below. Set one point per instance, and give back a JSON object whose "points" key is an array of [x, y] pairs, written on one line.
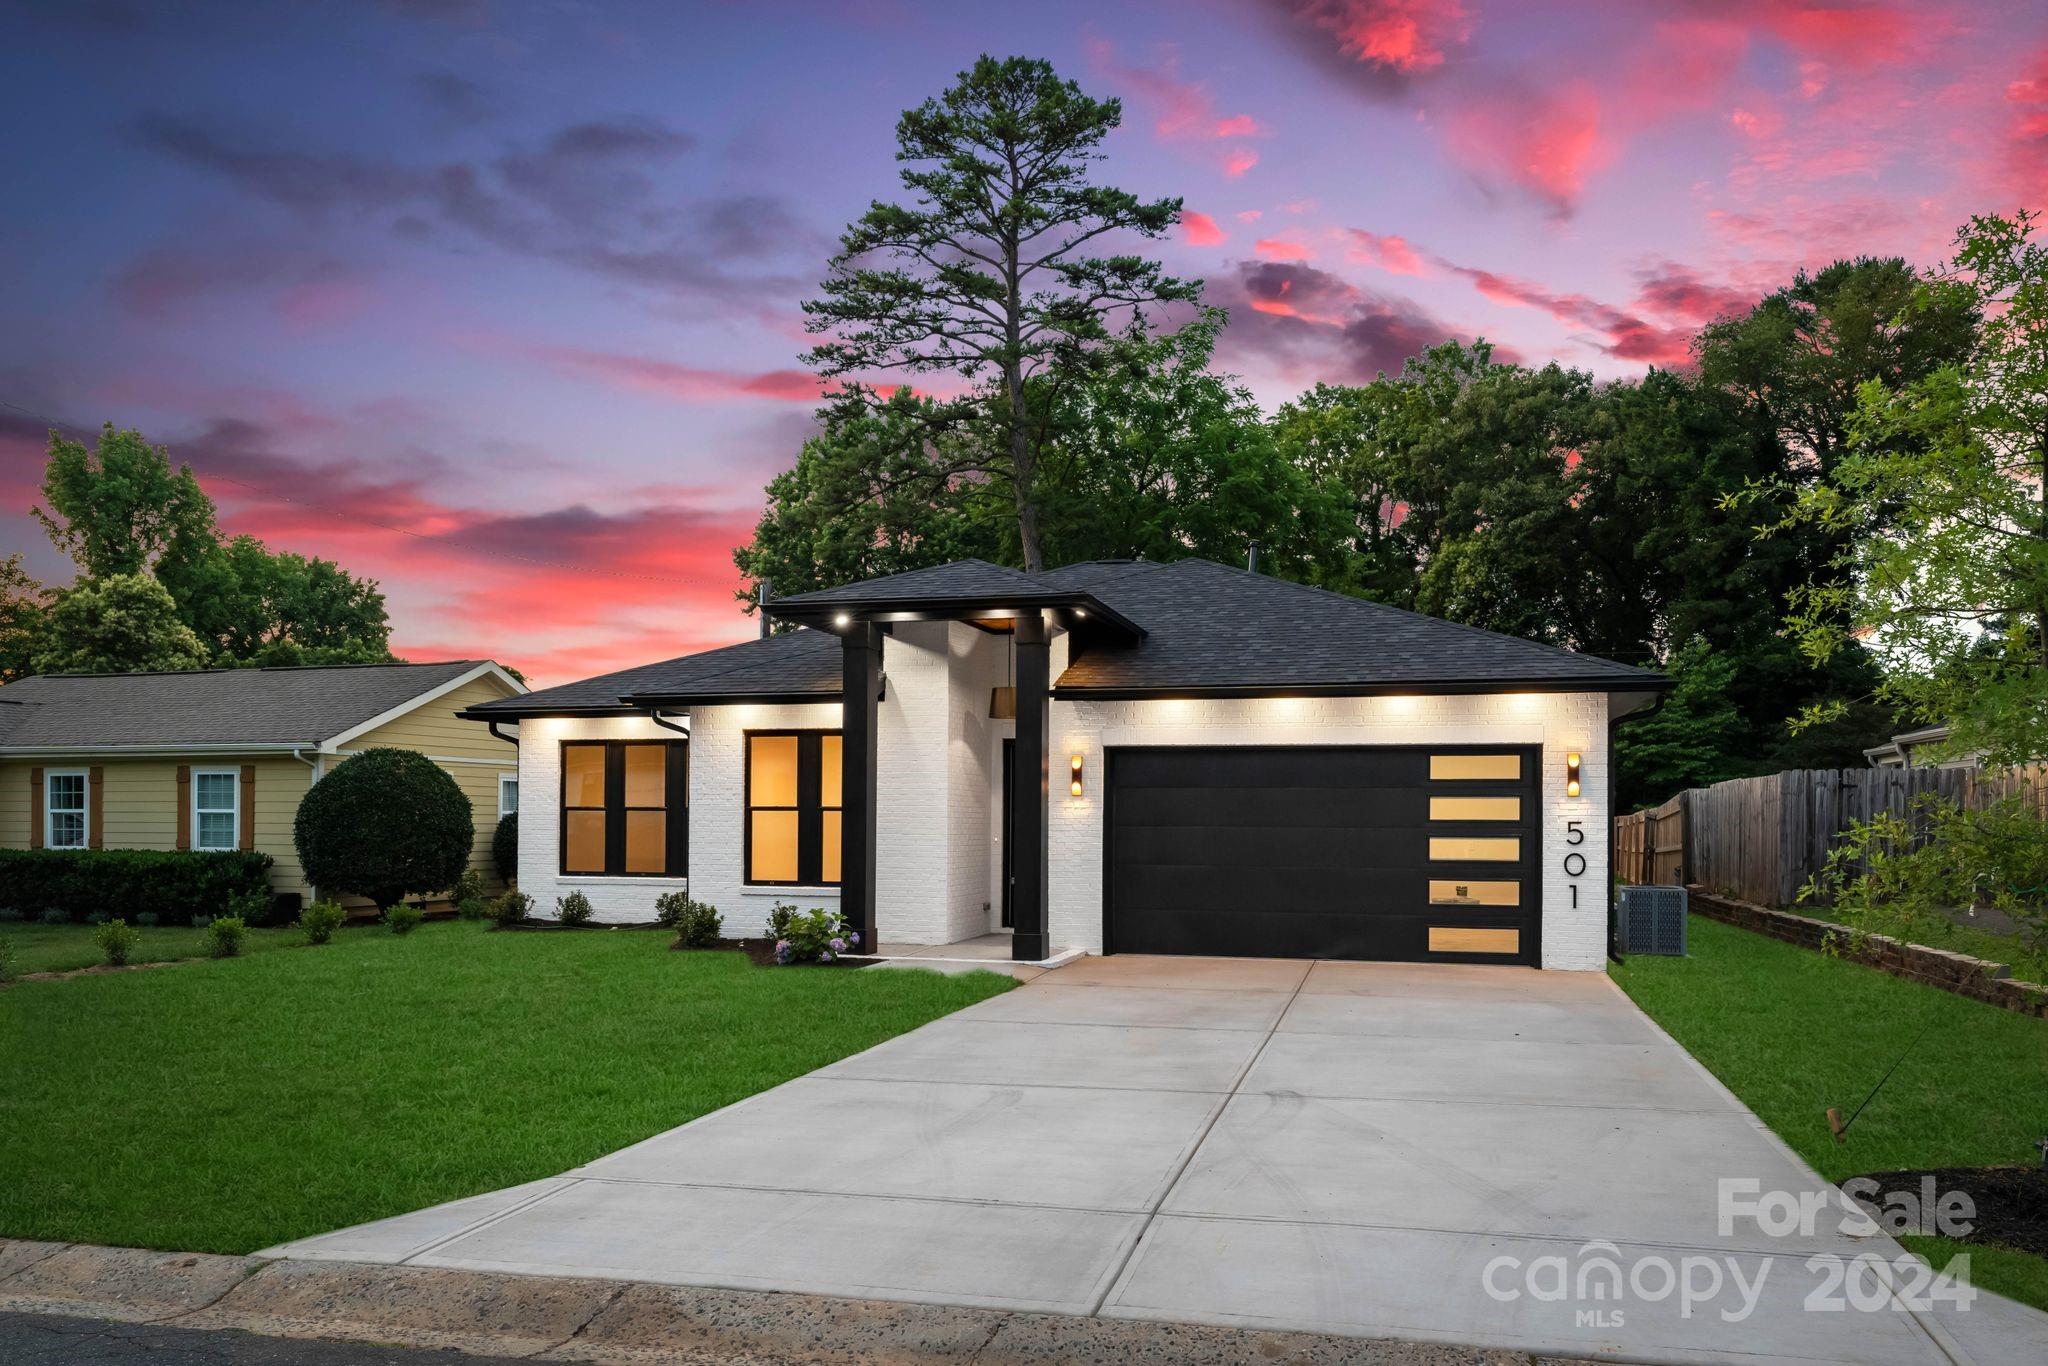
{"points": [[988, 273], [123, 623], [1938, 511], [1341, 437], [24, 611], [1688, 741], [121, 509]]}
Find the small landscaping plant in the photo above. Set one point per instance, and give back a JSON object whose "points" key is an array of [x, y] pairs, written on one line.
{"points": [[468, 887], [115, 940], [253, 907], [224, 936], [573, 909], [320, 920], [511, 909], [403, 918], [697, 924], [475, 908], [815, 936]]}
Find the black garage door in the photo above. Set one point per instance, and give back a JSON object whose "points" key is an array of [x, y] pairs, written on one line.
{"points": [[1404, 854]]}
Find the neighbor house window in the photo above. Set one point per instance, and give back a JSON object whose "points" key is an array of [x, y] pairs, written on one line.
{"points": [[64, 810], [216, 820], [508, 795], [793, 807], [625, 810]]}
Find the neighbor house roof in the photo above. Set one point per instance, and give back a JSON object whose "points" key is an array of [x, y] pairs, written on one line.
{"points": [[801, 665], [1189, 627], [216, 708]]}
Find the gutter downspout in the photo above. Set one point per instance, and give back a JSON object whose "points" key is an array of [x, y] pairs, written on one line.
{"points": [[654, 715], [497, 734], [1614, 896]]}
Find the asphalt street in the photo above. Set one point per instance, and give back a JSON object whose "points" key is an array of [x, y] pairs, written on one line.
{"points": [[46, 1340]]}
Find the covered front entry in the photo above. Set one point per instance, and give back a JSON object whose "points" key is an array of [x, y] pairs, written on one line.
{"points": [[1405, 854]]}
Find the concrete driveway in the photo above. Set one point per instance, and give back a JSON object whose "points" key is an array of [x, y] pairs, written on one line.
{"points": [[1421, 1152]]}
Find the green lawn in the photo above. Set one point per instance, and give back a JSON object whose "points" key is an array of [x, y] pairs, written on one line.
{"points": [[60, 948], [227, 1106], [1793, 1032]]}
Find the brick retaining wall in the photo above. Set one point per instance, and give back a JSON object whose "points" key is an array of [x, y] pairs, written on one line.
{"points": [[1977, 978]]}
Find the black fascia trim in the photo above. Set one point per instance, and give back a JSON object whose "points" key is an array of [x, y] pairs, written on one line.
{"points": [[602, 709], [640, 702], [950, 609], [1452, 686]]}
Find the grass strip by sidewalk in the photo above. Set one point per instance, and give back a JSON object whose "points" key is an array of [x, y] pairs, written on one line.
{"points": [[227, 1106], [1792, 1032]]}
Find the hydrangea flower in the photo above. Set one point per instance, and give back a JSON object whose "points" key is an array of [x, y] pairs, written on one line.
{"points": [[825, 955], [839, 946]]}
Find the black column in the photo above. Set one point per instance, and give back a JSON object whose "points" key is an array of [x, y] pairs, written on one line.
{"points": [[1029, 940], [861, 679]]}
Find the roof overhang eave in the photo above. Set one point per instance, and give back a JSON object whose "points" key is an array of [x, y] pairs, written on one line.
{"points": [[824, 616], [640, 702], [156, 749], [1646, 687]]}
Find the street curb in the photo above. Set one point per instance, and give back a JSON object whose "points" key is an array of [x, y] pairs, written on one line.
{"points": [[626, 1323]]}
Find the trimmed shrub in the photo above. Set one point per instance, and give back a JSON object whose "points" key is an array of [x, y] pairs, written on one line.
{"points": [[320, 920], [403, 918], [505, 846], [385, 824], [253, 908], [224, 937], [573, 909], [115, 940], [474, 908], [816, 936], [511, 908], [468, 887], [176, 885], [697, 924]]}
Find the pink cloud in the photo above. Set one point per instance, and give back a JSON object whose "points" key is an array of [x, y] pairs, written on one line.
{"points": [[1544, 142], [1237, 126], [1391, 254], [687, 382], [1617, 332], [1250, 215], [1182, 110], [1201, 230], [1237, 162], [1406, 37], [1279, 249]]}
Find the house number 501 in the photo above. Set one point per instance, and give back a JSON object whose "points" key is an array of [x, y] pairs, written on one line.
{"points": [[1574, 861]]}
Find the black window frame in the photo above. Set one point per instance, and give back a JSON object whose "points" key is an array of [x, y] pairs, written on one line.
{"points": [[675, 794], [810, 808]]}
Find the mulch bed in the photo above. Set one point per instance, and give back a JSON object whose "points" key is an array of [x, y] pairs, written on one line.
{"points": [[2012, 1202]]}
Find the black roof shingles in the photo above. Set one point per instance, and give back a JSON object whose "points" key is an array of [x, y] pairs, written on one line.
{"points": [[800, 664], [1213, 627], [1210, 627], [209, 707]]}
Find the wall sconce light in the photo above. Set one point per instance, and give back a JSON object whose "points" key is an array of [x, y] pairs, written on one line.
{"points": [[1074, 768], [1571, 775], [843, 619]]}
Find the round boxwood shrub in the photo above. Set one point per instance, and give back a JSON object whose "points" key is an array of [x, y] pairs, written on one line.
{"points": [[505, 846], [385, 824]]}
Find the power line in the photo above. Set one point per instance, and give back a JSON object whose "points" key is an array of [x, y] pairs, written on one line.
{"points": [[81, 433]]}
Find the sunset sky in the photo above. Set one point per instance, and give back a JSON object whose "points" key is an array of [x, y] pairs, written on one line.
{"points": [[495, 301]]}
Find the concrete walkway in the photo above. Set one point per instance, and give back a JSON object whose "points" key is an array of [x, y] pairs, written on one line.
{"points": [[1335, 1147]]}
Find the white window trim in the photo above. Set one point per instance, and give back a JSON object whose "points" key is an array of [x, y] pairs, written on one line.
{"points": [[235, 809], [503, 778], [84, 776]]}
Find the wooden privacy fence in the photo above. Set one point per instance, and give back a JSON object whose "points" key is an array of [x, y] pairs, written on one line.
{"points": [[1761, 838]]}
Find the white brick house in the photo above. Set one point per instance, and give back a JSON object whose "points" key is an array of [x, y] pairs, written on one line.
{"points": [[1200, 760]]}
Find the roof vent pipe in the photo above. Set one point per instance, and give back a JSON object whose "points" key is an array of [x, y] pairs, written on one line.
{"points": [[762, 591], [1251, 560]]}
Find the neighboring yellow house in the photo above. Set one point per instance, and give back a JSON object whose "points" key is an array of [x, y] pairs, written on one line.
{"points": [[219, 758]]}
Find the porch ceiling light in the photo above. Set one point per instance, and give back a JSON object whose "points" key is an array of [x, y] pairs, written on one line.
{"points": [[1075, 770], [843, 619], [1571, 775]]}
